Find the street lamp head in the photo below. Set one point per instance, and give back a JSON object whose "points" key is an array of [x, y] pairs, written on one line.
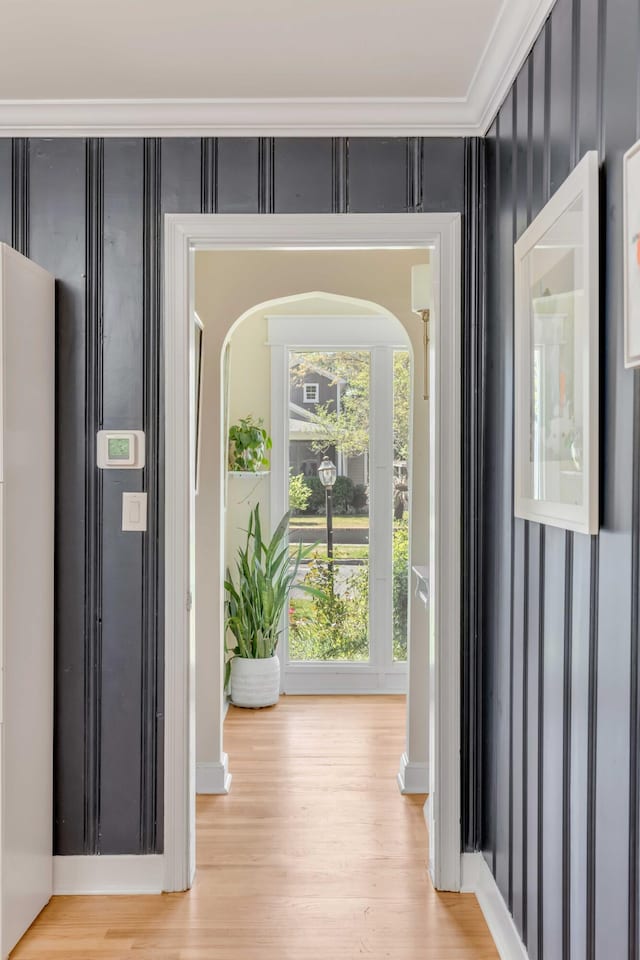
{"points": [[327, 473]]}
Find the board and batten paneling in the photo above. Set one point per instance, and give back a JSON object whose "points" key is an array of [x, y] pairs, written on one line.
{"points": [[560, 818], [90, 211]]}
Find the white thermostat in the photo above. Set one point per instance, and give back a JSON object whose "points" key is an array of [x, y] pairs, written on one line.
{"points": [[120, 449]]}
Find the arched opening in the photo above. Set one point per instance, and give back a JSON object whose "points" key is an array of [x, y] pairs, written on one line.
{"points": [[339, 391], [431, 237], [249, 366]]}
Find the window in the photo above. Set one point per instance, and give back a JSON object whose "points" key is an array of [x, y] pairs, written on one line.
{"points": [[311, 392]]}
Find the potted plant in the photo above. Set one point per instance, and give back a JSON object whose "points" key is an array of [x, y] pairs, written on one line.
{"points": [[248, 444], [254, 605]]}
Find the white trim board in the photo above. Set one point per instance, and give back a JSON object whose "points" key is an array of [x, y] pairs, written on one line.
{"points": [[477, 878], [349, 331], [75, 876], [517, 26], [412, 777], [213, 778]]}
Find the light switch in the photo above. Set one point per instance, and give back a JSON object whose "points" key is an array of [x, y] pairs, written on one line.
{"points": [[134, 511]]}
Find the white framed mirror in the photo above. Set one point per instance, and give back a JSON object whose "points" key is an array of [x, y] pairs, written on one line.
{"points": [[556, 327]]}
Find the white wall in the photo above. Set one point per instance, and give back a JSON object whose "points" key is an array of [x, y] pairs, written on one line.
{"points": [[228, 285]]}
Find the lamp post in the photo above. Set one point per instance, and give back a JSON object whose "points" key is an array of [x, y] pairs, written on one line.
{"points": [[328, 473]]}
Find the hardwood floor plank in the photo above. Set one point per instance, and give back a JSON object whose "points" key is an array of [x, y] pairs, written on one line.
{"points": [[313, 855]]}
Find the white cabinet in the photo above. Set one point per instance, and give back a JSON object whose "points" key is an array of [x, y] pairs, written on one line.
{"points": [[27, 405]]}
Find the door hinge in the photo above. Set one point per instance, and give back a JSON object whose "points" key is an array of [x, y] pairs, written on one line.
{"points": [[189, 602]]}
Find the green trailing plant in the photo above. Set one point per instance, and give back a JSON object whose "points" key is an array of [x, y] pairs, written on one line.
{"points": [[256, 598], [248, 445]]}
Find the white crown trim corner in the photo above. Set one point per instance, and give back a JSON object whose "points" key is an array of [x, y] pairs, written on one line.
{"points": [[477, 878], [515, 30], [108, 875], [510, 42], [213, 778]]}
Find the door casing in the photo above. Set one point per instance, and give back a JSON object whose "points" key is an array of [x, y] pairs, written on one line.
{"points": [[184, 234]]}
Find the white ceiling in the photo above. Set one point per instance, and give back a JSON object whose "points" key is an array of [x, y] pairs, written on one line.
{"points": [[433, 52], [64, 49]]}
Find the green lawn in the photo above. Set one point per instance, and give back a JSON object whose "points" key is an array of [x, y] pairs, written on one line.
{"points": [[341, 551], [320, 522]]}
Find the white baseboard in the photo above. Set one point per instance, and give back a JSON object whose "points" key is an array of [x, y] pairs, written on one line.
{"points": [[413, 777], [100, 875], [213, 777], [477, 878]]}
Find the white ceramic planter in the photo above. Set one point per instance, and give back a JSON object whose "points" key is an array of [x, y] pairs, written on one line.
{"points": [[255, 683]]}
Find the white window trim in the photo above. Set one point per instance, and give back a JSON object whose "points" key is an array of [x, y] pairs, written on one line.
{"points": [[185, 233], [374, 333], [306, 399]]}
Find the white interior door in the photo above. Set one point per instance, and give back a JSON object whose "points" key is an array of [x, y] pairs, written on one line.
{"points": [[26, 592]]}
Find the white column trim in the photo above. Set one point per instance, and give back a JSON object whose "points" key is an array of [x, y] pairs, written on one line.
{"points": [[213, 778], [444, 560], [126, 874], [412, 777]]}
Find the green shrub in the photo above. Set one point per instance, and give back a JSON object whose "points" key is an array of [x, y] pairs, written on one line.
{"points": [[331, 626], [336, 627], [316, 495], [344, 494], [400, 587], [299, 492], [360, 497]]}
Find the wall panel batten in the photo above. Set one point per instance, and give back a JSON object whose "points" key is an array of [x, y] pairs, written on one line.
{"points": [[93, 491], [340, 172], [20, 191], [209, 163], [151, 413], [6, 190]]}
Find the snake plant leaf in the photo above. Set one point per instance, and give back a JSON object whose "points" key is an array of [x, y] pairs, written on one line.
{"points": [[258, 591]]}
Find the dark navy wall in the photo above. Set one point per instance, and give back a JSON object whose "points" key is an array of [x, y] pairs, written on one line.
{"points": [[559, 814], [90, 211]]}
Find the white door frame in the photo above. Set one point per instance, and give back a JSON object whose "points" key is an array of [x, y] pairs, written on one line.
{"points": [[378, 334], [185, 234]]}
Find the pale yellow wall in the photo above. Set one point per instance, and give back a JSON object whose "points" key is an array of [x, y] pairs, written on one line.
{"points": [[249, 393], [228, 284]]}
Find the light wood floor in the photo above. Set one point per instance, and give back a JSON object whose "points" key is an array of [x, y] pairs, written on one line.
{"points": [[314, 855]]}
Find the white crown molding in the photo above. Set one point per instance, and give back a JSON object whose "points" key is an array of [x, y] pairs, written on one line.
{"points": [[236, 117], [514, 34], [515, 30], [108, 875]]}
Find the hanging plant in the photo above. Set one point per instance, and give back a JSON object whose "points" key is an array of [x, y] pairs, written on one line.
{"points": [[248, 444]]}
